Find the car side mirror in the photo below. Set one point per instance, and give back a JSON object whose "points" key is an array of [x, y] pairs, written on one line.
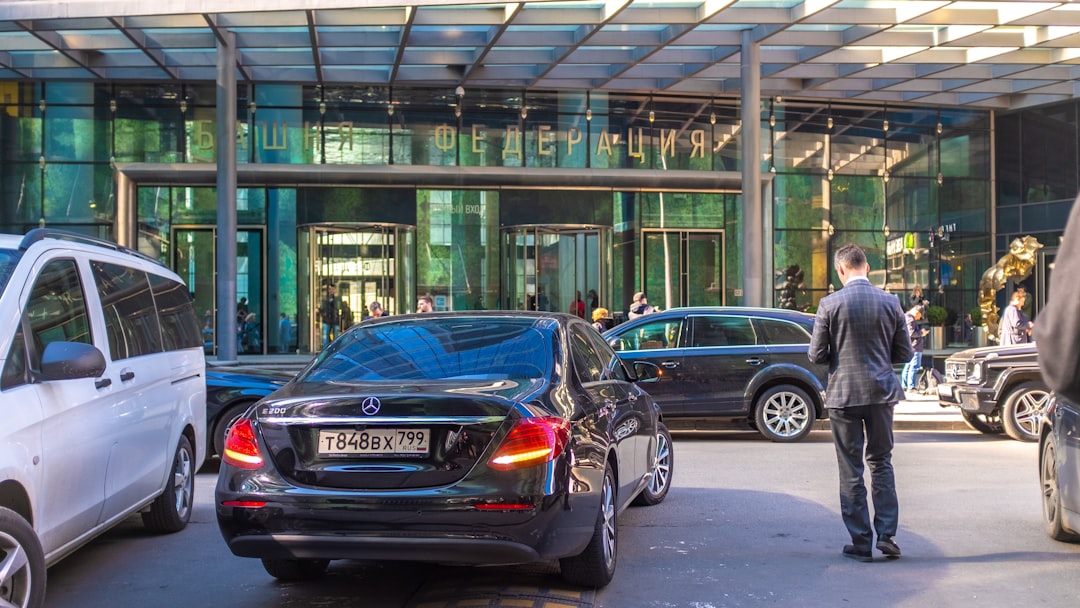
{"points": [[70, 360], [646, 372]]}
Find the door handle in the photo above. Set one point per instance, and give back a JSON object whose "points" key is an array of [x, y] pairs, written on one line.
{"points": [[670, 364], [102, 383], [755, 361], [125, 376]]}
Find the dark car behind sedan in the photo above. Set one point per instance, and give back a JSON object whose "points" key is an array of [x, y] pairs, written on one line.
{"points": [[476, 438], [1059, 469], [230, 391], [740, 364]]}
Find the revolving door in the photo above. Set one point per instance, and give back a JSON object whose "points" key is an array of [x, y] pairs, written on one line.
{"points": [[363, 263]]}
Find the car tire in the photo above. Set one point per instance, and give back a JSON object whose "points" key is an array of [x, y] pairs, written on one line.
{"points": [[224, 421], [1022, 408], [656, 490], [171, 510], [595, 566], [295, 569], [784, 413], [1051, 495], [23, 585], [989, 424]]}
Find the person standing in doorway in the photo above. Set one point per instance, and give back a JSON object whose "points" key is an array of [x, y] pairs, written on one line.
{"points": [[860, 332], [284, 333], [329, 315], [577, 307], [917, 333], [425, 304]]}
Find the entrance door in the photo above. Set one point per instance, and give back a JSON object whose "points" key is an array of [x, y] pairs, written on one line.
{"points": [[363, 263], [549, 267], [194, 251], [683, 267]]}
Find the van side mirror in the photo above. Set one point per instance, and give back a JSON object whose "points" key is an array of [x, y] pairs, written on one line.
{"points": [[70, 360], [646, 372]]}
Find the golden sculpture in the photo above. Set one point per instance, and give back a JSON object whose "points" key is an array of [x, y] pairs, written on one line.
{"points": [[1016, 265]]}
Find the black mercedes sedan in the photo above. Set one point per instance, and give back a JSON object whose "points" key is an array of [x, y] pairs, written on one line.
{"points": [[489, 438]]}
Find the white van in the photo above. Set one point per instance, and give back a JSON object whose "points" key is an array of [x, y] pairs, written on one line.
{"points": [[102, 397]]}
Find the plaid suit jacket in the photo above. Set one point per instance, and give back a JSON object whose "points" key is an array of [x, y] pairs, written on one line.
{"points": [[860, 332]]}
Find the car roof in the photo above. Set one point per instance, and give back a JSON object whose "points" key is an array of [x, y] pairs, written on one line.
{"points": [[737, 310]]}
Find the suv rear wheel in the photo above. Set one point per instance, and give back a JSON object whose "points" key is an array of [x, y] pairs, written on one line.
{"points": [[1022, 408], [784, 413]]}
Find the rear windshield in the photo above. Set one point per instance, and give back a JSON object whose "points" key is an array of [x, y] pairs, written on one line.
{"points": [[439, 348]]}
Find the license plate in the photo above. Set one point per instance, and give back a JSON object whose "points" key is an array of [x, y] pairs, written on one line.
{"points": [[339, 442]]}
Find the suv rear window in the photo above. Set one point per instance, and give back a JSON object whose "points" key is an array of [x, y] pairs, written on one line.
{"points": [[130, 317]]}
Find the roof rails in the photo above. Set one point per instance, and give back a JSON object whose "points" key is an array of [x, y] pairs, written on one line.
{"points": [[38, 234]]}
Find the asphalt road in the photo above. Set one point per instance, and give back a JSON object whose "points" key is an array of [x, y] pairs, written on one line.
{"points": [[747, 523]]}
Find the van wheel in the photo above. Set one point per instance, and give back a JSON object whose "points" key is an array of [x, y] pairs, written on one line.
{"points": [[1022, 409], [784, 413], [171, 511], [595, 566], [22, 563]]}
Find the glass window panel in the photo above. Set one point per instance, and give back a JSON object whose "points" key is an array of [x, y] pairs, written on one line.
{"points": [[722, 331], [57, 309], [912, 204], [800, 254], [965, 154], [22, 194], [179, 324], [1048, 141], [857, 145], [1007, 161], [682, 209], [856, 202], [799, 138], [799, 201], [655, 334], [969, 119], [69, 194], [783, 332], [911, 151], [965, 203], [457, 248], [1045, 217]]}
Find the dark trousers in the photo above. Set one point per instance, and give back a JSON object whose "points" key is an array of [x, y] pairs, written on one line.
{"points": [[854, 429]]}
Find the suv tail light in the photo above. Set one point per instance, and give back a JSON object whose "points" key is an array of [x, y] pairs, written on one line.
{"points": [[241, 447], [531, 441]]}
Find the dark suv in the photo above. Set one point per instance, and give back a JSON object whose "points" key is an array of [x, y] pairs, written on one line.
{"points": [[997, 388], [742, 364]]}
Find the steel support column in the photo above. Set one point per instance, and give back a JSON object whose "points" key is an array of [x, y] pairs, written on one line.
{"points": [[753, 216], [225, 262]]}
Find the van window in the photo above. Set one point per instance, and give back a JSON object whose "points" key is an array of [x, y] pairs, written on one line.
{"points": [[179, 326], [130, 318], [56, 308]]}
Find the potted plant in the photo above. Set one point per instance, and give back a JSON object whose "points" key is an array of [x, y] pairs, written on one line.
{"points": [[936, 316]]}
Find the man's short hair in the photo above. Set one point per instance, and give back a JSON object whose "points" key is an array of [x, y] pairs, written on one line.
{"points": [[850, 256], [427, 299]]}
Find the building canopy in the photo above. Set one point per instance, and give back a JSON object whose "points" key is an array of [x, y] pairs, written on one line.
{"points": [[985, 54]]}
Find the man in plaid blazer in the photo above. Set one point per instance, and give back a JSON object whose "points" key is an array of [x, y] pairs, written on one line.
{"points": [[860, 332]]}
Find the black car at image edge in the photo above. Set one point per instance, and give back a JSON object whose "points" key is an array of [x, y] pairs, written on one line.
{"points": [[1059, 469], [230, 391], [741, 364], [488, 438]]}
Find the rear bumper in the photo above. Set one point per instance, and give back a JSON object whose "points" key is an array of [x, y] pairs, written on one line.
{"points": [[437, 549], [968, 398]]}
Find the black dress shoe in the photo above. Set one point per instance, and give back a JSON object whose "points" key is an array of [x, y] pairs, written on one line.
{"points": [[888, 546], [851, 553]]}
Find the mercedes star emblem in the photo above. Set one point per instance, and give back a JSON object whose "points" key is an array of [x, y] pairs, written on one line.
{"points": [[370, 406]]}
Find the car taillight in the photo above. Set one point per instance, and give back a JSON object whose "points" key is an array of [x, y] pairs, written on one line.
{"points": [[241, 448], [531, 441]]}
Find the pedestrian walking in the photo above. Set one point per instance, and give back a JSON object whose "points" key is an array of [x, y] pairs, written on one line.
{"points": [[859, 331], [641, 306], [917, 336], [284, 333]]}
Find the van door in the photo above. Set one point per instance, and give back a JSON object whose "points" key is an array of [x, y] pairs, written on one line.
{"points": [[76, 429], [144, 402]]}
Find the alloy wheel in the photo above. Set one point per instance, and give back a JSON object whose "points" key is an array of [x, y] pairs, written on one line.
{"points": [[15, 574]]}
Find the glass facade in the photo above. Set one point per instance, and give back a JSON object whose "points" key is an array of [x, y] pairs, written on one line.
{"points": [[911, 185]]}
